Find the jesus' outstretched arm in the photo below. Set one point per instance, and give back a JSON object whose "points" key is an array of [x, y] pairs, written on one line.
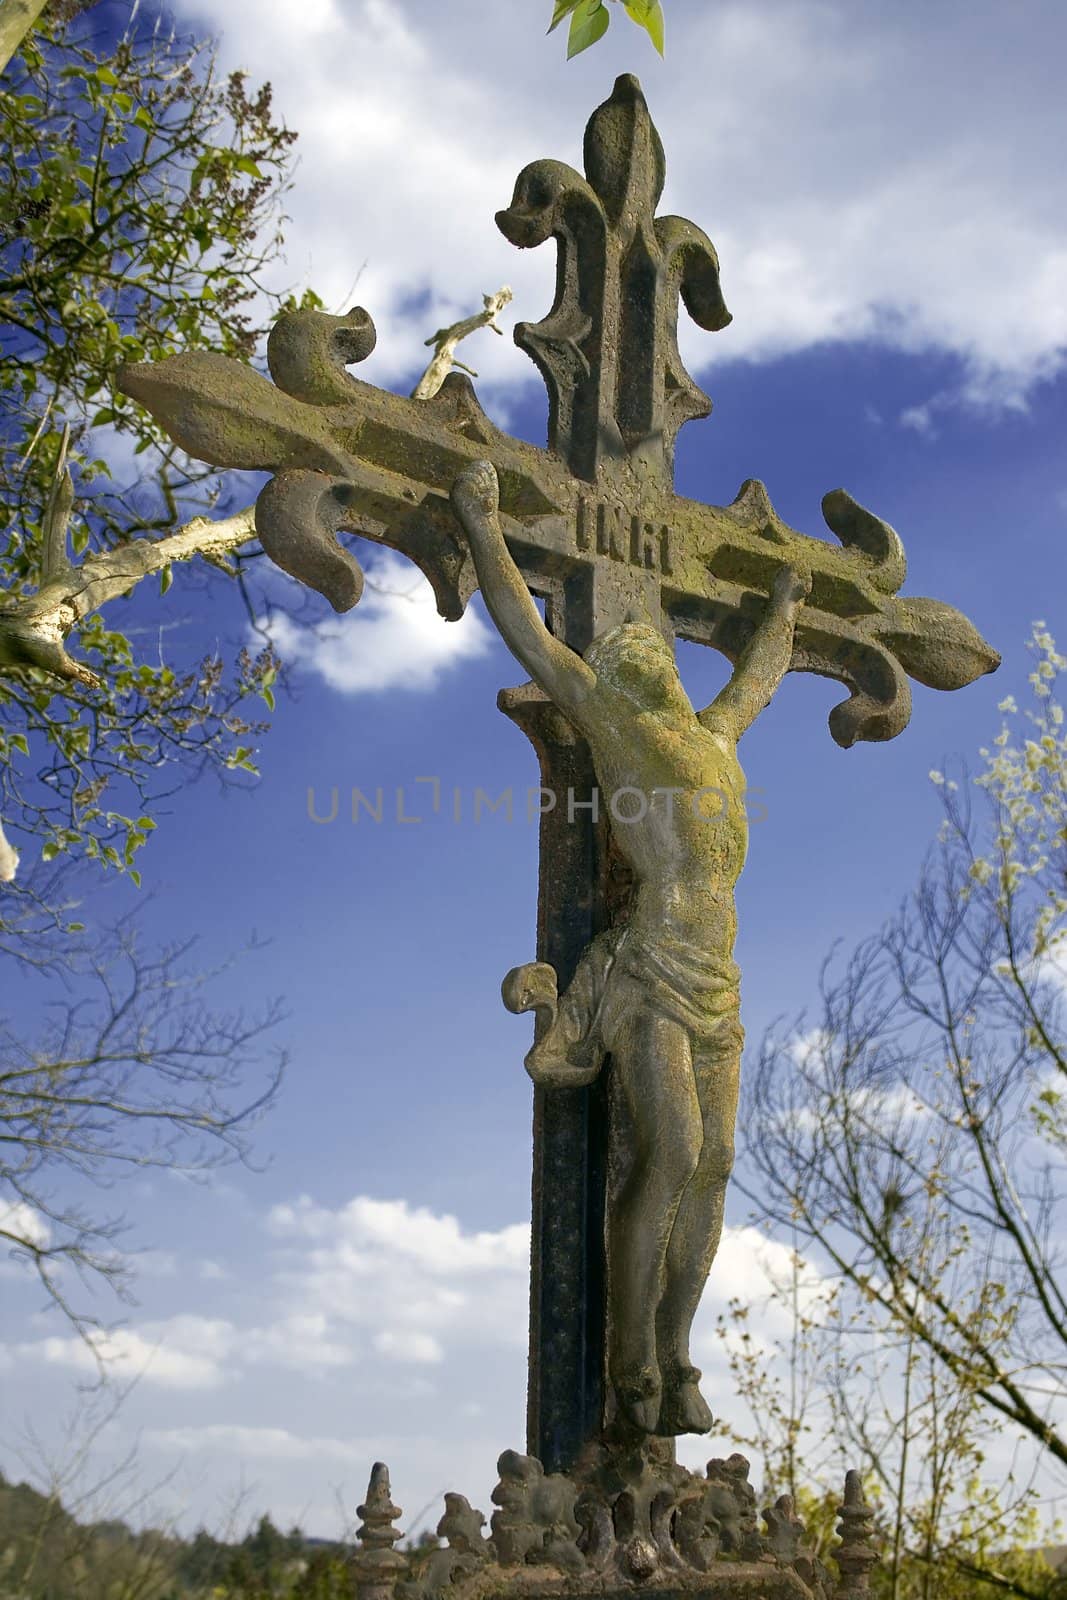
{"points": [[560, 672], [764, 661]]}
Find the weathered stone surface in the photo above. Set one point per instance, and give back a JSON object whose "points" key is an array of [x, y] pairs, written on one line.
{"points": [[535, 1522], [619, 1523]]}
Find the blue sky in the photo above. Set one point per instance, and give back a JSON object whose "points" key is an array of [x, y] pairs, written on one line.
{"points": [[885, 189]]}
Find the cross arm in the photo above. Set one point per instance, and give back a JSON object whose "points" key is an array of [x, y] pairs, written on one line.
{"points": [[854, 626], [345, 456]]}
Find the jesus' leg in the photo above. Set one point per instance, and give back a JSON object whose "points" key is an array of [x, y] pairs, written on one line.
{"points": [[696, 1233], [656, 1142]]}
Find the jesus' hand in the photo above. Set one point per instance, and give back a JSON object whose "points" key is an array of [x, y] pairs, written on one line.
{"points": [[792, 585]]}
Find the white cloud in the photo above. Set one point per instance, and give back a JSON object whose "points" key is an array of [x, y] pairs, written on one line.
{"points": [[188, 1352], [274, 1444], [919, 419], [192, 1352], [420, 1281], [437, 1243], [156, 1263], [374, 1281], [850, 198], [409, 1346], [301, 1340], [393, 640]]}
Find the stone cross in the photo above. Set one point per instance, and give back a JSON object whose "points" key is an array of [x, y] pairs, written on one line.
{"points": [[597, 530]]}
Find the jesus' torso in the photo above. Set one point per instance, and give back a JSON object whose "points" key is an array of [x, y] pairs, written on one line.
{"points": [[686, 849]]}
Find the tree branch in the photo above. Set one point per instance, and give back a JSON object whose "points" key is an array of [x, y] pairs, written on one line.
{"points": [[445, 341], [34, 627]]}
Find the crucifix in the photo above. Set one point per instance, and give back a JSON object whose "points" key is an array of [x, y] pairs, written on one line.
{"points": [[638, 1037]]}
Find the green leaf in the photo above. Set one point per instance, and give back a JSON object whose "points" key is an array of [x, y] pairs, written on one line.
{"points": [[653, 24], [166, 578], [20, 742], [246, 164], [562, 9], [143, 119], [75, 927], [49, 851], [136, 876], [105, 75], [588, 24], [79, 537], [106, 415], [268, 695], [124, 103]]}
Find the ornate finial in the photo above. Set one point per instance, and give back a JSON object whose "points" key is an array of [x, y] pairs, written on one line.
{"points": [[608, 349], [785, 1531], [462, 1526], [376, 1565], [855, 1556], [535, 1521], [787, 1541]]}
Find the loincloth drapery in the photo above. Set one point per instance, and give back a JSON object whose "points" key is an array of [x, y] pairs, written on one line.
{"points": [[624, 968]]}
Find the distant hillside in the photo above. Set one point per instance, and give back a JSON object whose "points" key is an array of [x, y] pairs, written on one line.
{"points": [[45, 1554]]}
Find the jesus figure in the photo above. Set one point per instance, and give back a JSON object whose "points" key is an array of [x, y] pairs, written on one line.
{"points": [[659, 994]]}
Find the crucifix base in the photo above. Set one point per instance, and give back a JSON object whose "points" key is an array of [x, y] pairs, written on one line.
{"points": [[618, 1522]]}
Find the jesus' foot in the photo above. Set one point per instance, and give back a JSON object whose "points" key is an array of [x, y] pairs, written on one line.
{"points": [[684, 1409], [637, 1391]]}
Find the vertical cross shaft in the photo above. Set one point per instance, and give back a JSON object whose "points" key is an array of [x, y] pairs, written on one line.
{"points": [[618, 394], [565, 1384]]}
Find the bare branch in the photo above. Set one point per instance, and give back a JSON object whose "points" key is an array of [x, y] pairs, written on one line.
{"points": [[446, 340], [129, 1071]]}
